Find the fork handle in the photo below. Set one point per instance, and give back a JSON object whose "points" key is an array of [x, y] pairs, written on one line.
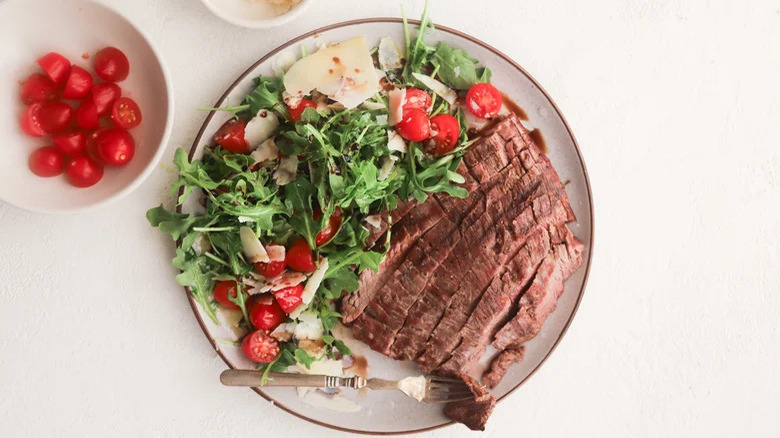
{"points": [[253, 378]]}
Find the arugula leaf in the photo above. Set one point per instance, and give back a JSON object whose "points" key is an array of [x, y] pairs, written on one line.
{"points": [[304, 358], [342, 347], [455, 67], [283, 360], [193, 276], [484, 74], [417, 52], [267, 95], [298, 195], [169, 222]]}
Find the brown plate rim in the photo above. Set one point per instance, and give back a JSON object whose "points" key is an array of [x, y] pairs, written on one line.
{"points": [[498, 53]]}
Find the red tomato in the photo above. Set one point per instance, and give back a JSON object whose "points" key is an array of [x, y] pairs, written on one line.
{"points": [[30, 121], [327, 233], [78, 85], [87, 115], [56, 67], [260, 347], [223, 290], [38, 88], [295, 113], [416, 98], [300, 258], [126, 113], [55, 117], [484, 100], [112, 65], [46, 161], [445, 131], [115, 146], [270, 269], [265, 313], [289, 298], [82, 171], [231, 136], [414, 125], [70, 143], [105, 94]]}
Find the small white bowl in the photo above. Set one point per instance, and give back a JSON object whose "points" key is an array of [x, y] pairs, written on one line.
{"points": [[74, 28], [257, 14]]}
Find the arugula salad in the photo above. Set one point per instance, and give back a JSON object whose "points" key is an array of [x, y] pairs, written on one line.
{"points": [[298, 182]]}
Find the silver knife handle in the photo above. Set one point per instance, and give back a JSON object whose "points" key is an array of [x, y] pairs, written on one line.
{"points": [[253, 378]]}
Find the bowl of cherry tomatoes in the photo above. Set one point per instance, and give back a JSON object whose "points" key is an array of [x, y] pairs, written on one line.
{"points": [[88, 105]]}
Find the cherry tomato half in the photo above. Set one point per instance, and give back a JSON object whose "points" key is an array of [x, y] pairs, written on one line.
{"points": [[300, 258], [265, 313], [289, 298], [484, 100], [112, 65], [231, 136], [30, 120], [105, 94], [416, 98], [126, 113], [46, 161], [295, 113], [260, 347], [115, 146], [55, 117], [56, 67], [445, 131], [270, 269], [87, 115], [70, 143], [223, 291], [327, 233], [83, 171], [38, 88], [78, 85], [414, 125]]}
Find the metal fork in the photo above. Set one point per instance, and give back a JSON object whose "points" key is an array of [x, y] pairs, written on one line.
{"points": [[438, 389]]}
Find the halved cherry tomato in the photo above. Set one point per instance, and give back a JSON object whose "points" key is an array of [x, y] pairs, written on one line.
{"points": [[112, 65], [300, 258], [115, 146], [327, 233], [38, 88], [30, 120], [78, 85], [484, 100], [56, 67], [55, 117], [270, 269], [82, 171], [105, 94], [223, 291], [260, 347], [87, 115], [295, 112], [265, 313], [231, 136], [414, 125], [70, 143], [445, 131], [289, 298], [416, 98], [126, 113], [46, 161]]}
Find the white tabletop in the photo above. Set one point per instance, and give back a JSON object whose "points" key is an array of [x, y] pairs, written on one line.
{"points": [[675, 106]]}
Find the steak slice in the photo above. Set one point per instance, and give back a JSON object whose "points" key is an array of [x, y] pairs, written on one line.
{"points": [[473, 413], [500, 365]]}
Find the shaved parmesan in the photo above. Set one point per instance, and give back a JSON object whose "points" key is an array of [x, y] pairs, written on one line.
{"points": [[388, 162], [253, 249], [232, 320], [267, 151], [282, 62], [381, 119], [260, 128], [389, 55], [395, 142], [309, 326], [311, 287], [373, 106], [344, 72], [288, 168], [276, 253], [374, 220], [397, 101], [439, 88], [290, 100]]}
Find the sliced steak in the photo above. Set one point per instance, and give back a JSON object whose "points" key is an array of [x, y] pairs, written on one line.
{"points": [[473, 413], [377, 225], [500, 365]]}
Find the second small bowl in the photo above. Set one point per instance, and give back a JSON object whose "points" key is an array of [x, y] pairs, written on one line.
{"points": [[257, 14]]}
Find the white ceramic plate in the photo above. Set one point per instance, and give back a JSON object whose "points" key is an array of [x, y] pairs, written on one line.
{"points": [[389, 412], [31, 28]]}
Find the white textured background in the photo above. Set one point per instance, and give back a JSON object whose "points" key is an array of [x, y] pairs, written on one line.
{"points": [[675, 104]]}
